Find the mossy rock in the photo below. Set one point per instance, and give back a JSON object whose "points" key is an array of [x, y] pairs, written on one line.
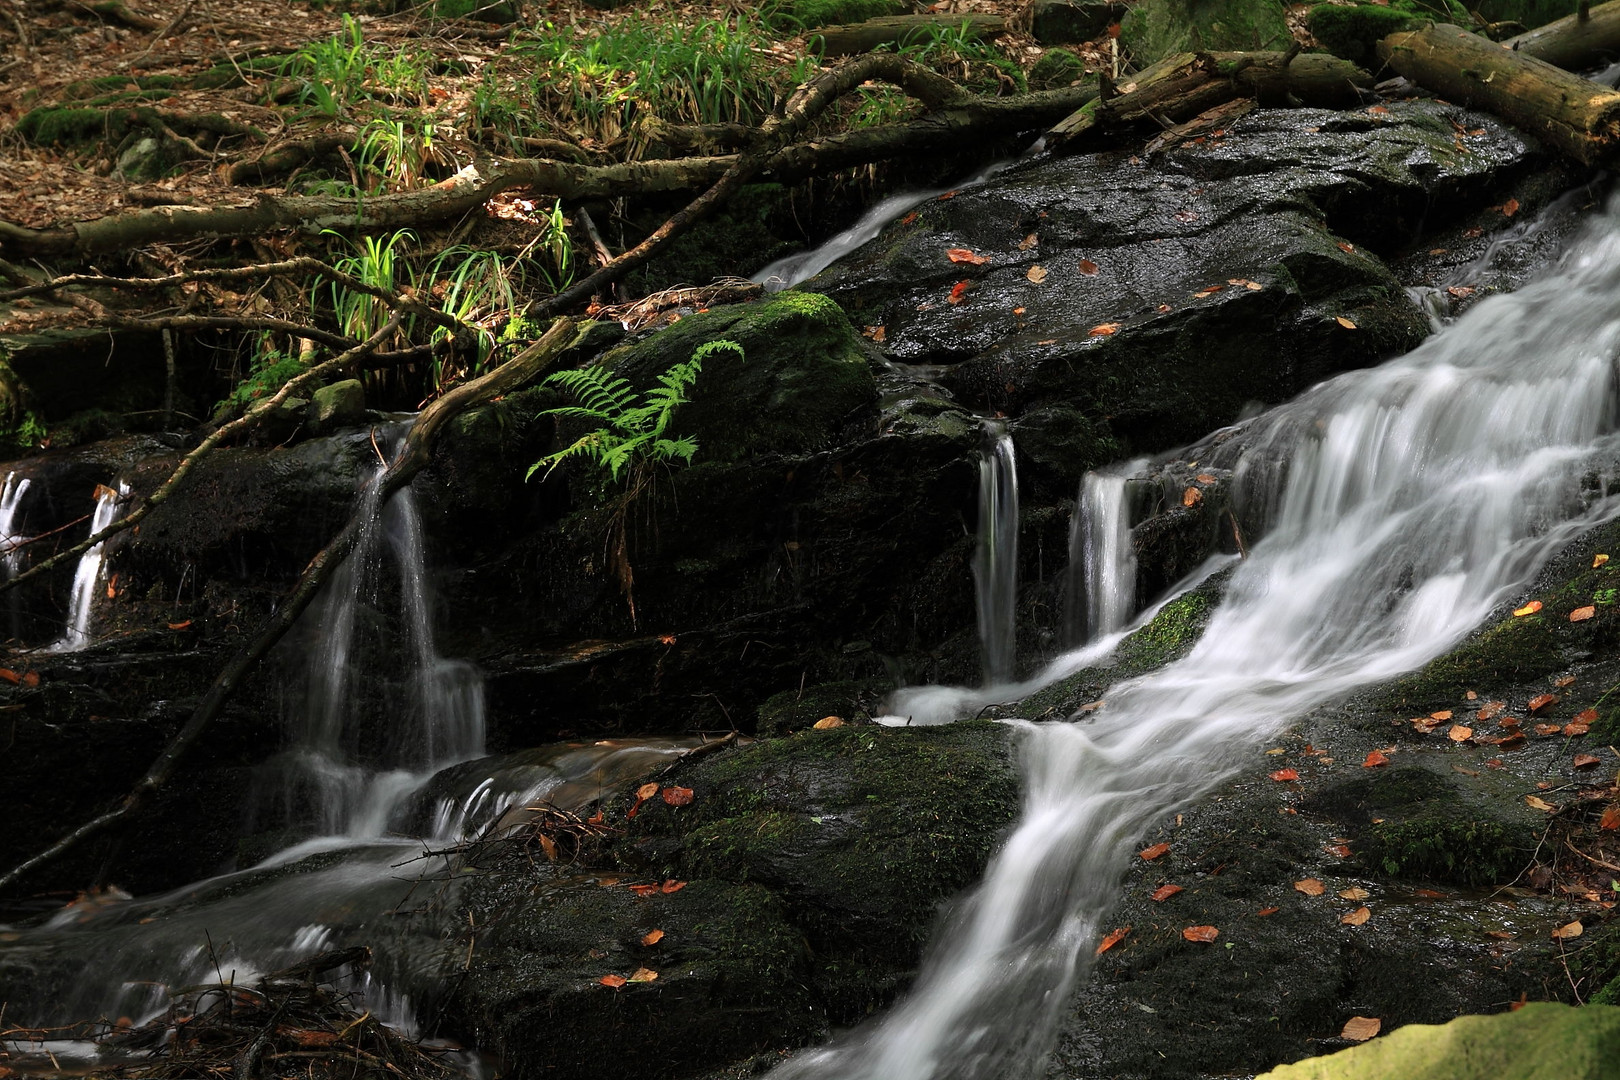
{"points": [[1056, 68], [1155, 29], [802, 377], [1542, 1041], [798, 710], [1352, 31]]}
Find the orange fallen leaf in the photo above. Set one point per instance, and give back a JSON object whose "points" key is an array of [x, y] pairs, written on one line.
{"points": [[1491, 710], [652, 937], [1542, 701], [1581, 614], [1104, 329], [1501, 935], [1345, 322], [1263, 912], [879, 334], [1355, 892], [1341, 850], [1599, 560], [179, 625], [1361, 1028], [958, 293], [1204, 934], [1535, 803], [614, 981], [646, 791], [1459, 733], [1154, 852], [1610, 820], [1165, 892], [30, 679], [1028, 242], [1510, 208], [1375, 758], [643, 975], [644, 890], [1191, 497], [1356, 917], [549, 846], [1529, 609], [1310, 887], [1563, 681], [1282, 776], [678, 796], [1586, 761], [1112, 939], [10, 676], [963, 255], [1569, 931], [1429, 894], [1205, 478], [948, 195], [1036, 274], [671, 886], [909, 218], [827, 722], [1208, 290], [1088, 268], [1548, 729]]}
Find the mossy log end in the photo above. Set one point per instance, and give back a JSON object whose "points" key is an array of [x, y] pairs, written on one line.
{"points": [[1575, 116], [900, 30], [1574, 42]]}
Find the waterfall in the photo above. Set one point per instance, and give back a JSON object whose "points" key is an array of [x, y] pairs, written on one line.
{"points": [[87, 578], [1418, 497], [1101, 591], [364, 744], [10, 538], [995, 562]]}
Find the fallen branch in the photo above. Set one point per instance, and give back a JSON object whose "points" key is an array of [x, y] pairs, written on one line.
{"points": [[1574, 42], [1575, 116], [412, 458]]}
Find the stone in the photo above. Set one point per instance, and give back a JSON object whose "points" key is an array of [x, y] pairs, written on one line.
{"points": [[1056, 68], [337, 405], [1070, 22], [1155, 29]]}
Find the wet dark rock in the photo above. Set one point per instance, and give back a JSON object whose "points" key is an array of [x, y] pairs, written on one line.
{"points": [[337, 405], [1214, 277]]}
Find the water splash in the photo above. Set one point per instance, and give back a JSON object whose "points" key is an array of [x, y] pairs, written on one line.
{"points": [[995, 562], [1101, 593], [110, 503], [1416, 497], [10, 513]]}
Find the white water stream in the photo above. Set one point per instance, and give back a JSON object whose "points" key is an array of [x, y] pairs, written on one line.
{"points": [[995, 562], [11, 537], [87, 578], [1101, 593], [1415, 498]]}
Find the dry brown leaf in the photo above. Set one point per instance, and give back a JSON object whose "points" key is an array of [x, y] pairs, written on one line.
{"points": [[1112, 939], [1599, 560], [1036, 274], [1586, 761], [1548, 729], [1355, 892], [1535, 803], [1610, 821], [1510, 208], [1282, 776], [1375, 758], [1529, 609], [548, 845], [646, 791], [1203, 934], [958, 293], [1165, 892], [1028, 242], [652, 937], [1491, 710], [1444, 714], [1191, 497], [1310, 887], [1088, 268], [1581, 614], [1263, 912], [1569, 931], [1344, 322], [1541, 702], [963, 255], [678, 796], [614, 981], [643, 975], [671, 886], [1459, 733], [1106, 329], [1356, 917], [1361, 1028], [827, 722], [1154, 852]]}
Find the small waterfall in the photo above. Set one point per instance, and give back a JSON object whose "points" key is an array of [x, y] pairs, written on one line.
{"points": [[365, 742], [1420, 496], [10, 538], [87, 578], [1101, 593], [995, 563]]}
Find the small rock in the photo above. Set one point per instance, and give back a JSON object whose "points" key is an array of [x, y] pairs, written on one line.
{"points": [[337, 405]]}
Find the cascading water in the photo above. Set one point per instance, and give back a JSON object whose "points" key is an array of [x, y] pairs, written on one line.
{"points": [[1101, 593], [10, 510], [1416, 498], [87, 578], [995, 563]]}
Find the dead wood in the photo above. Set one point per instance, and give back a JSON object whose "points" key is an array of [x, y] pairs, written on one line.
{"points": [[1582, 40], [872, 34], [412, 458], [1575, 116]]}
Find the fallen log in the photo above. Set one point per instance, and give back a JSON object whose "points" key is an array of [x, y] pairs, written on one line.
{"points": [[1575, 116], [1573, 42], [1185, 85], [900, 30], [412, 458], [949, 126]]}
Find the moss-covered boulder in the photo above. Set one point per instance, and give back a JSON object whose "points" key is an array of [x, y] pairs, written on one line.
{"points": [[1352, 31], [1056, 68], [800, 378], [1070, 22], [803, 878], [809, 14], [1155, 29], [1542, 1041]]}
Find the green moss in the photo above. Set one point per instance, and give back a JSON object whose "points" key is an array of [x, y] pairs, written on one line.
{"points": [[56, 126], [1542, 1041], [1512, 651], [795, 710], [1055, 68], [809, 14], [1436, 847], [1352, 31], [1155, 29]]}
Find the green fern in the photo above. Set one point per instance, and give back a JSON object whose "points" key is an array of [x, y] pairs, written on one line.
{"points": [[630, 432]]}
